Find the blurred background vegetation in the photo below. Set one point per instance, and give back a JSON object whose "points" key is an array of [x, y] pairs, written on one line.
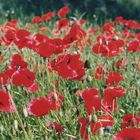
{"points": [[103, 9]]}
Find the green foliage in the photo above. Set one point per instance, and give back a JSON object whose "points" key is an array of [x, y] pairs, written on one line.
{"points": [[102, 8]]}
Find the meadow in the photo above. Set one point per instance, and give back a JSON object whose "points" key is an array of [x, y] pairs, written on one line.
{"points": [[65, 78]]}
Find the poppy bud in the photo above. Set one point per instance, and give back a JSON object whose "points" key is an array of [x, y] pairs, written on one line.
{"points": [[25, 112], [100, 41], [16, 125], [1, 128]]}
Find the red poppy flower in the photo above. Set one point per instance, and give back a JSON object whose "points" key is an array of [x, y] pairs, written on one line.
{"points": [[130, 120], [63, 11], [41, 38], [83, 122], [132, 23], [6, 102], [18, 62], [22, 33], [47, 16], [126, 33], [8, 37], [113, 92], [45, 49], [54, 125], [108, 27], [100, 49], [59, 46], [92, 100], [33, 87], [11, 24], [133, 46], [20, 75], [99, 72], [138, 36], [68, 66], [115, 48], [119, 19], [41, 106], [109, 107], [107, 46], [75, 34], [114, 78], [26, 78], [71, 36], [110, 94], [62, 23], [22, 38], [103, 121], [128, 134], [4, 79], [121, 63], [56, 100], [36, 19], [106, 120]]}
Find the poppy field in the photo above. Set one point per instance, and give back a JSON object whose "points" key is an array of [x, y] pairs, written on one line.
{"points": [[65, 78]]}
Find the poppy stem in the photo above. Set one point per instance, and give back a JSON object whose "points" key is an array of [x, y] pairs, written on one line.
{"points": [[22, 126]]}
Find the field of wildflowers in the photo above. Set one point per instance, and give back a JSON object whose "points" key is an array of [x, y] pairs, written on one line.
{"points": [[64, 78]]}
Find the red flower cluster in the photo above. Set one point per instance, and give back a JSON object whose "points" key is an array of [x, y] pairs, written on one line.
{"points": [[93, 102], [103, 121], [129, 23], [19, 74], [45, 17], [130, 120], [66, 61], [108, 47], [109, 103], [134, 46]]}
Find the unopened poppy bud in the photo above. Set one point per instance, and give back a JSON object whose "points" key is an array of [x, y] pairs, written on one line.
{"points": [[95, 118], [25, 112], [16, 125], [55, 96], [90, 118], [106, 43], [100, 41], [1, 128], [122, 111], [89, 78], [101, 131], [116, 37]]}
